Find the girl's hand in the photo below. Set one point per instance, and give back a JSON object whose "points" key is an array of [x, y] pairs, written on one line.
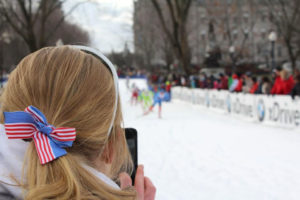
{"points": [[143, 185]]}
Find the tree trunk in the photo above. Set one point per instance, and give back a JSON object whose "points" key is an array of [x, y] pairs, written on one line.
{"points": [[185, 56], [178, 12]]}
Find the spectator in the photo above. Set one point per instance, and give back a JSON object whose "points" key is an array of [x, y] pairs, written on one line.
{"points": [[196, 78], [182, 81], [210, 82], [237, 84], [216, 84], [287, 83], [168, 86], [296, 89], [276, 89], [266, 86], [248, 82], [176, 80], [223, 82], [88, 104], [192, 81], [154, 78], [234, 83], [230, 80], [254, 84], [203, 80]]}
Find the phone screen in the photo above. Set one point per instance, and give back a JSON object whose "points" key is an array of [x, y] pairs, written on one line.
{"points": [[131, 137]]}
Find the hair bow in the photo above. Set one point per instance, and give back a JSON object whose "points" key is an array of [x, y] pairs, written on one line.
{"points": [[49, 141]]}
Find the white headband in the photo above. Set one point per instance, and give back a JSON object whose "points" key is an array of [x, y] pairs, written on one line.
{"points": [[111, 67]]}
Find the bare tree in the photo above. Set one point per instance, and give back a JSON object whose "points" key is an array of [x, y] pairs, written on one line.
{"points": [[147, 43], [18, 41], [285, 15], [30, 19], [11, 47], [168, 54], [178, 11], [148, 35]]}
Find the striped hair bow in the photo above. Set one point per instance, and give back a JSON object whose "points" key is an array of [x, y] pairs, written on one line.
{"points": [[49, 141]]}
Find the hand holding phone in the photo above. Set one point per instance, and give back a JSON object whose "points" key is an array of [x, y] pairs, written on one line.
{"points": [[131, 138], [143, 185]]}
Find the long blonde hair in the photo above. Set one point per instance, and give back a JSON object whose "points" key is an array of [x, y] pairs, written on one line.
{"points": [[72, 89]]}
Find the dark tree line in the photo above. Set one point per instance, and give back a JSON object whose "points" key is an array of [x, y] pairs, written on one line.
{"points": [[33, 24]]}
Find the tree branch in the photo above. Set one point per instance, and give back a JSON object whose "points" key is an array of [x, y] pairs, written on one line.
{"points": [[61, 21], [186, 10], [162, 20]]}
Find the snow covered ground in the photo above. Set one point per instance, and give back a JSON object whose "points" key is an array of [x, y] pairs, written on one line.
{"points": [[192, 154]]}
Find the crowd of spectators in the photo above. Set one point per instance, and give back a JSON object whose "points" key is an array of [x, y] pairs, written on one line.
{"points": [[282, 81]]}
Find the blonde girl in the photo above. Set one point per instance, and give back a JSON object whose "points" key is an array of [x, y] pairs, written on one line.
{"points": [[74, 87]]}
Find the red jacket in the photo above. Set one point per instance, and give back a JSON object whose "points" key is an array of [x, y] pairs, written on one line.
{"points": [[254, 88], [288, 85], [277, 87], [168, 87], [224, 83], [239, 86], [283, 86]]}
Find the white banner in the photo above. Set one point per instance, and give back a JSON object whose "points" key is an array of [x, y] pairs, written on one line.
{"points": [[277, 110]]}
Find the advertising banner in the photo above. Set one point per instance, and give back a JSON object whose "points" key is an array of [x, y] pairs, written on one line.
{"points": [[281, 111]]}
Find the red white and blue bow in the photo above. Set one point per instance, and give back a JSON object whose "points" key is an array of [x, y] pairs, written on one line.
{"points": [[49, 141]]}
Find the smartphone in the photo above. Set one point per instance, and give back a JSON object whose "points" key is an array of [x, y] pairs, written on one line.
{"points": [[131, 137]]}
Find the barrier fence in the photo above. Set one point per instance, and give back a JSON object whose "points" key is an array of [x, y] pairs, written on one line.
{"points": [[280, 111]]}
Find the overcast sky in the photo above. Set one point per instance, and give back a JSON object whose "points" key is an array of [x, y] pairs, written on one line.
{"points": [[109, 22]]}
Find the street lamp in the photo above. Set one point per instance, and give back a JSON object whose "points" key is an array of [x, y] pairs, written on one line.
{"points": [[272, 39], [231, 52]]}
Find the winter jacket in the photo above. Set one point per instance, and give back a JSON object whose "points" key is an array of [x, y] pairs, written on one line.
{"points": [[254, 88], [224, 83], [277, 89], [230, 81], [283, 86], [239, 85], [12, 153], [288, 85], [248, 85], [266, 88], [168, 88], [296, 90], [234, 85]]}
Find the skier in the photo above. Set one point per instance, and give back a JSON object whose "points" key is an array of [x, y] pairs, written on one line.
{"points": [[135, 94], [158, 98], [147, 99]]}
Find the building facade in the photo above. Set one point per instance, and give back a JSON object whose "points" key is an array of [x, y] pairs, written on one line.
{"points": [[239, 29]]}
